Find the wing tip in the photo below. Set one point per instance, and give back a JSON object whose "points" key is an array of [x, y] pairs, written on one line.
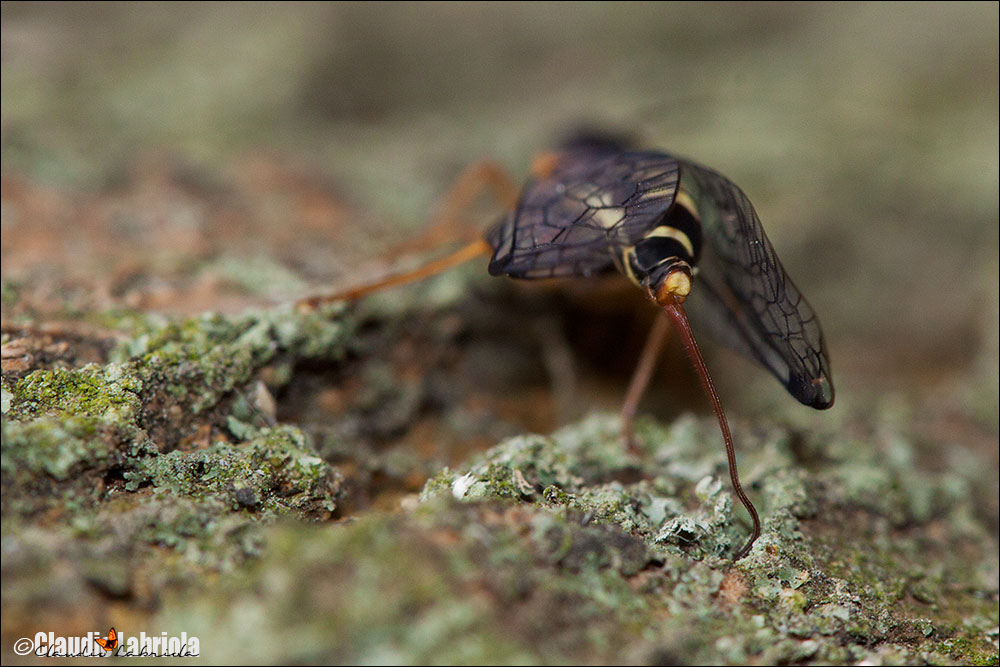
{"points": [[816, 392]]}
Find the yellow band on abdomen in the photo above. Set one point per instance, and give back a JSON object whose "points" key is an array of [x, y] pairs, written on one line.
{"points": [[673, 233]]}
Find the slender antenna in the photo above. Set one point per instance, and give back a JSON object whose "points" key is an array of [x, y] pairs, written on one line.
{"points": [[464, 254], [676, 311]]}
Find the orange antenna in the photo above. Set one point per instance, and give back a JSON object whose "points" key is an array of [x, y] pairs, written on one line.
{"points": [[447, 225]]}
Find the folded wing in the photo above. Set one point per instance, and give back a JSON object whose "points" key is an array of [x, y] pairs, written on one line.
{"points": [[744, 297], [571, 222]]}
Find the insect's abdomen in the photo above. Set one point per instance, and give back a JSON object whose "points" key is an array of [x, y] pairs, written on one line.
{"points": [[674, 244]]}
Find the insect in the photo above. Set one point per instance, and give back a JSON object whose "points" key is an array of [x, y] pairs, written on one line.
{"points": [[109, 644], [682, 233]]}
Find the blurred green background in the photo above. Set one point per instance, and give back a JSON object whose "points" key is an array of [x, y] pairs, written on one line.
{"points": [[866, 135]]}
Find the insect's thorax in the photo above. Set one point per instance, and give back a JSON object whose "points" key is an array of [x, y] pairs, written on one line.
{"points": [[673, 245]]}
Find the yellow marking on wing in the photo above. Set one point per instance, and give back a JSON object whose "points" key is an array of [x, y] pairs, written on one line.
{"points": [[590, 194], [608, 217], [656, 193]]}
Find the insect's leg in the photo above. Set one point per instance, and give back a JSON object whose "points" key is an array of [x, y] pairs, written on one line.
{"points": [[447, 223], [464, 254], [641, 377], [674, 308]]}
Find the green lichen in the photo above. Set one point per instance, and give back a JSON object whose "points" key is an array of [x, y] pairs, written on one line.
{"points": [[543, 549], [199, 360], [96, 448], [469, 585], [107, 392], [278, 472], [62, 420], [570, 469], [803, 581], [60, 448]]}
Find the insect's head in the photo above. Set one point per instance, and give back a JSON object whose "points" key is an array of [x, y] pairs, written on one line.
{"points": [[661, 265], [675, 285]]}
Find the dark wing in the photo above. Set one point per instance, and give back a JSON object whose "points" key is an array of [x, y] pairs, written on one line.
{"points": [[593, 201], [744, 297]]}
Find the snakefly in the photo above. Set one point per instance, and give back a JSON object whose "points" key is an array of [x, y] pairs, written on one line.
{"points": [[683, 234]]}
